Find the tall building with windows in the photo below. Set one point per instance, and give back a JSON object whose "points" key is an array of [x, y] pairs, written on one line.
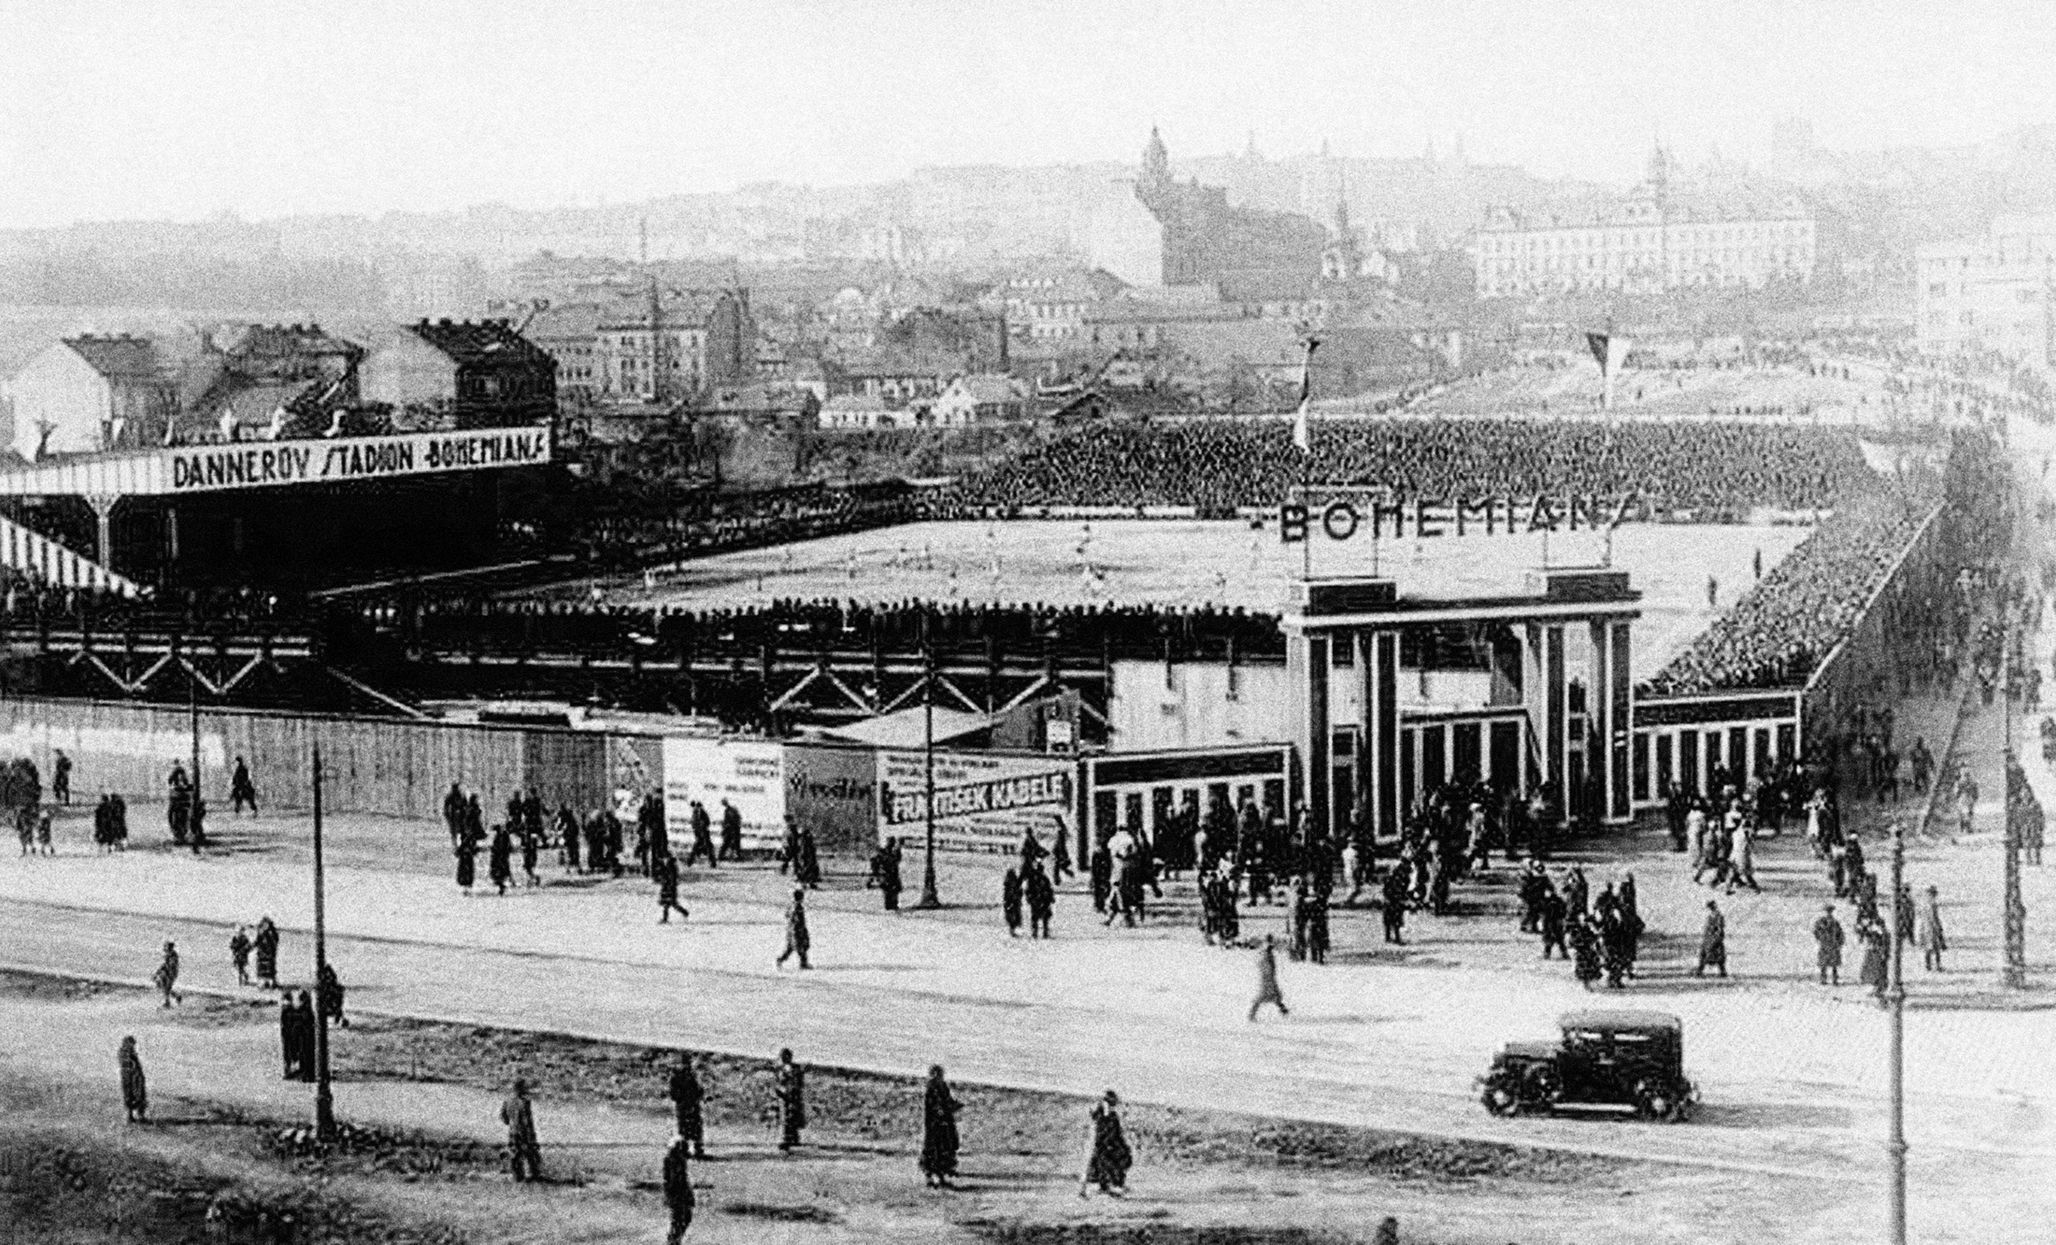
{"points": [[1207, 241], [1663, 236], [1990, 294]]}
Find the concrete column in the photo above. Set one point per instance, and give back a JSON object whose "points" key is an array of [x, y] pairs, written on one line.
{"points": [[1306, 671], [1547, 702], [1611, 688], [1378, 658]]}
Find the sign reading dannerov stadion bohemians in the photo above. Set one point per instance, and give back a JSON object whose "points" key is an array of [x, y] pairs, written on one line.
{"points": [[1345, 518], [272, 463]]}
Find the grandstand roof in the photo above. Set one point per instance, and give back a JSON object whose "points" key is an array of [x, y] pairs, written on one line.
{"points": [[119, 357]]}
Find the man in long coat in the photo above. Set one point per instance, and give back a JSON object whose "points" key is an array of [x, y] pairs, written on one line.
{"points": [[289, 1035], [790, 1084], [135, 1093], [686, 1096], [1928, 932], [939, 1110], [1827, 940], [266, 945], [1713, 942], [1110, 1158], [524, 1151], [678, 1193]]}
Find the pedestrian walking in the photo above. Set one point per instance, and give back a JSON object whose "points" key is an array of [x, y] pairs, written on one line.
{"points": [[241, 790], [789, 1082], [239, 954], [531, 847], [939, 1109], [1267, 979], [166, 976], [797, 940], [1585, 958], [885, 874], [500, 858], [135, 1091], [731, 831], [60, 778], [1108, 1162], [702, 836], [678, 1193], [666, 869], [1828, 938], [807, 870], [1553, 923], [524, 1151], [1928, 932], [467, 861], [266, 945], [687, 1097], [1713, 942]]}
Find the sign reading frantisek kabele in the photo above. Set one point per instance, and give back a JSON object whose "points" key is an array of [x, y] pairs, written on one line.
{"points": [[268, 464], [1345, 518], [983, 801]]}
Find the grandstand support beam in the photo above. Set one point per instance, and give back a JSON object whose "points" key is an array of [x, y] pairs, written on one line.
{"points": [[1542, 690], [1306, 666], [103, 505], [1378, 754], [1612, 713]]}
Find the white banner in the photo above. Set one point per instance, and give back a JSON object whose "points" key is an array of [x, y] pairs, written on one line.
{"points": [[748, 773], [267, 464], [983, 802]]}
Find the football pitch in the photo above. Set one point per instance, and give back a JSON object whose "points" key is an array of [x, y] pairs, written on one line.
{"points": [[1230, 564]]}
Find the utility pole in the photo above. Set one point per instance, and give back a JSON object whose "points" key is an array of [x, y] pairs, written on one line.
{"points": [[324, 1098], [194, 817], [1895, 999], [929, 898], [2013, 917]]}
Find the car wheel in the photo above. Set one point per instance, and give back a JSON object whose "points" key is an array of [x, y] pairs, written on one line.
{"points": [[1499, 1099], [1541, 1088], [1656, 1101]]}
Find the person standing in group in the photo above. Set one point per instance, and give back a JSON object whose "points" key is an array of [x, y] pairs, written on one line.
{"points": [[1553, 921], [467, 861], [1392, 905], [454, 807], [702, 836], [1010, 901], [135, 1091], [939, 1140], [524, 1151], [266, 945], [1713, 942], [797, 940], [789, 1083], [731, 831], [678, 1194], [166, 976], [885, 874], [500, 858], [1928, 932], [289, 1035], [1267, 979], [666, 869], [1828, 939], [239, 954], [687, 1096], [241, 790], [1042, 901], [531, 847], [1107, 1167]]}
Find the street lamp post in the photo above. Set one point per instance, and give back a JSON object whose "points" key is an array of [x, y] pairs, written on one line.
{"points": [[929, 898], [1895, 996], [324, 1098]]}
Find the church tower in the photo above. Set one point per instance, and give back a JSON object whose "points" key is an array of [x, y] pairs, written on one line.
{"points": [[1156, 167]]}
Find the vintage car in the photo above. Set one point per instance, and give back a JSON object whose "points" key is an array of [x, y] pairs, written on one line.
{"points": [[1605, 1058]]}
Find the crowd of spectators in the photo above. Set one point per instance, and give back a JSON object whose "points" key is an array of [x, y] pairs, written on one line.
{"points": [[1219, 465]]}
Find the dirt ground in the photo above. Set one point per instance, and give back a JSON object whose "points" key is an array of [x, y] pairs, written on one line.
{"points": [[421, 1161]]}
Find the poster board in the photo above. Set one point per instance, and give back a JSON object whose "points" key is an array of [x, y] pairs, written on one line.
{"points": [[748, 773], [983, 801]]}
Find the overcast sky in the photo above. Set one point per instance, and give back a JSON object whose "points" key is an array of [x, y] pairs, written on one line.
{"points": [[182, 109]]}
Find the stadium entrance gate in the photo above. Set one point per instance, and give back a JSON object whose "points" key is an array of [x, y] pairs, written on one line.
{"points": [[1574, 754]]}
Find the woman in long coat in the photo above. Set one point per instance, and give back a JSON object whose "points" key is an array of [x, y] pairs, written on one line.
{"points": [[266, 943], [939, 1131], [1111, 1158], [467, 862], [135, 1094], [791, 1087]]}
